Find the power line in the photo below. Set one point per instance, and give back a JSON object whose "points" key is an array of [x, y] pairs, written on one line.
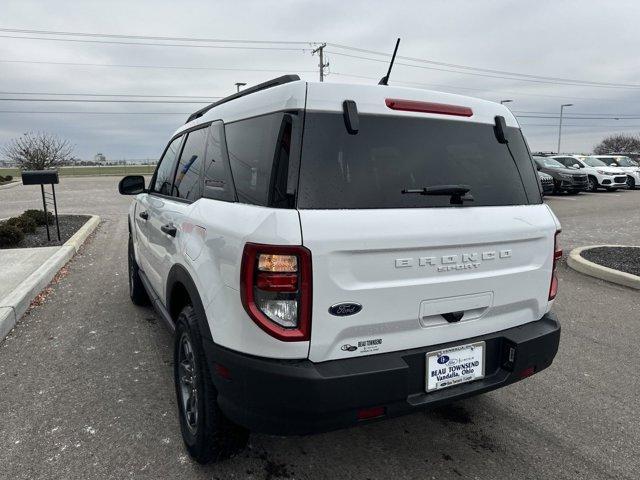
{"points": [[470, 69], [614, 115], [146, 37], [501, 77], [571, 117], [555, 125], [310, 43], [485, 90], [150, 44], [93, 113], [486, 70], [108, 95], [85, 100], [175, 67]]}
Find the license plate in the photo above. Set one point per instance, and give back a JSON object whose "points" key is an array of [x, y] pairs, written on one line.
{"points": [[455, 365]]}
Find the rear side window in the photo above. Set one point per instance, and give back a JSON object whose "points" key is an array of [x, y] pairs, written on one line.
{"points": [[259, 150], [187, 184], [166, 168], [390, 154], [217, 175]]}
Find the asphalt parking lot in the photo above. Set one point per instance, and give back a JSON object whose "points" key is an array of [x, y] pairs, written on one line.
{"points": [[86, 380]]}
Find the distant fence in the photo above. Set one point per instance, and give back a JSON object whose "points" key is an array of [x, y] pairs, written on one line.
{"points": [[92, 170]]}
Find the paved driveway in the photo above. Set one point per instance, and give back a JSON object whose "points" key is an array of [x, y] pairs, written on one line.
{"points": [[86, 389]]}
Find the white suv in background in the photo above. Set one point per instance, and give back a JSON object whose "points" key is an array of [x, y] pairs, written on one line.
{"points": [[600, 174], [624, 164], [332, 254]]}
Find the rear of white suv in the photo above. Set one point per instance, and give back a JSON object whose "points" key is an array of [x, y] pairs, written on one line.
{"points": [[394, 254]]}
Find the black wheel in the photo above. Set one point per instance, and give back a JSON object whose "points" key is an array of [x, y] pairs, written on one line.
{"points": [[631, 183], [593, 184], [137, 291], [208, 435]]}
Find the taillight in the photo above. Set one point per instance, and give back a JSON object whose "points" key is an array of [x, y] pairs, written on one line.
{"points": [[275, 286], [557, 255], [428, 107]]}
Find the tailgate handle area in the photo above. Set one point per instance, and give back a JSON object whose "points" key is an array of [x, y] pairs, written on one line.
{"points": [[441, 311], [453, 317]]}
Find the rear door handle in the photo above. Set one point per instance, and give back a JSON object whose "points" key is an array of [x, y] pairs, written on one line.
{"points": [[169, 229], [144, 215]]}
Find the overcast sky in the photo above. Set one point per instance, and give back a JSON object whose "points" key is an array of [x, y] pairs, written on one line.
{"points": [[594, 41]]}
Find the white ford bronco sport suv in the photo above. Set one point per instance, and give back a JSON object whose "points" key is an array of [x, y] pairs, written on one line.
{"points": [[332, 254]]}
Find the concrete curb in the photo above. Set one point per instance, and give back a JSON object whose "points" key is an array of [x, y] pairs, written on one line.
{"points": [[17, 302], [9, 185], [582, 265]]}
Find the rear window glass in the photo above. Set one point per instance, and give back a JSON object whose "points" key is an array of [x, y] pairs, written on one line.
{"points": [[390, 154], [217, 180], [259, 156]]}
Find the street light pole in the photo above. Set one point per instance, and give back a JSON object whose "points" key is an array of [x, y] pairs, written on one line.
{"points": [[502, 102], [238, 85], [560, 124]]}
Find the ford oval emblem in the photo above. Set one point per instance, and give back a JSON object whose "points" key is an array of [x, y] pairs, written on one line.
{"points": [[344, 309], [443, 359]]}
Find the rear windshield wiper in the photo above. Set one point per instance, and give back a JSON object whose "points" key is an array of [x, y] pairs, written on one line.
{"points": [[458, 193]]}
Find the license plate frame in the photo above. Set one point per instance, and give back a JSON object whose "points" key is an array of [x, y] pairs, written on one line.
{"points": [[457, 355]]}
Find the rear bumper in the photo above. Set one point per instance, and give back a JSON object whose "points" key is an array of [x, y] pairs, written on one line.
{"points": [[286, 397]]}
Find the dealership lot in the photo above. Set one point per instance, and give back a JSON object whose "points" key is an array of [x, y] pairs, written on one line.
{"points": [[86, 387]]}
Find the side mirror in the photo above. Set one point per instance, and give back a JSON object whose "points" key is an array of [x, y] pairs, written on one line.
{"points": [[538, 167], [131, 185], [613, 165], [575, 165]]}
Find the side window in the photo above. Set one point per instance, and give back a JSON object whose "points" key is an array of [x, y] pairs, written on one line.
{"points": [[564, 161], [217, 174], [259, 157], [187, 184], [166, 167]]}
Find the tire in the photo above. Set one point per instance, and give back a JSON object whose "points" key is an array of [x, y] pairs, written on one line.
{"points": [[208, 435], [631, 183], [593, 184], [137, 292]]}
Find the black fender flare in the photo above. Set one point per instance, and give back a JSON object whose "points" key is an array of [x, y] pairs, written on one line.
{"points": [[179, 275]]}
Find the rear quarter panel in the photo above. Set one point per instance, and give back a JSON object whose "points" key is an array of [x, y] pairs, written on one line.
{"points": [[212, 242]]}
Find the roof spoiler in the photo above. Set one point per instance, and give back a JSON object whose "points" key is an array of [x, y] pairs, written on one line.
{"points": [[248, 91]]}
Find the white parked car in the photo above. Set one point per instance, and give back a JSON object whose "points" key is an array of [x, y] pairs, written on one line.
{"points": [[600, 174], [332, 254], [625, 164]]}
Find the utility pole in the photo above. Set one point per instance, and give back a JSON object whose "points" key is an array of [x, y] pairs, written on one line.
{"points": [[321, 65], [560, 124]]}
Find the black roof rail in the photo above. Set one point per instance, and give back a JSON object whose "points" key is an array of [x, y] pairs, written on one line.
{"points": [[247, 91]]}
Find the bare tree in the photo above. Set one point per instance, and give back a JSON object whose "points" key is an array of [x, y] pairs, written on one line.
{"points": [[38, 151], [619, 143]]}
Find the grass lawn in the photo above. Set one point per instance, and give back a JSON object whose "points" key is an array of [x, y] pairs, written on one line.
{"points": [[92, 170]]}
